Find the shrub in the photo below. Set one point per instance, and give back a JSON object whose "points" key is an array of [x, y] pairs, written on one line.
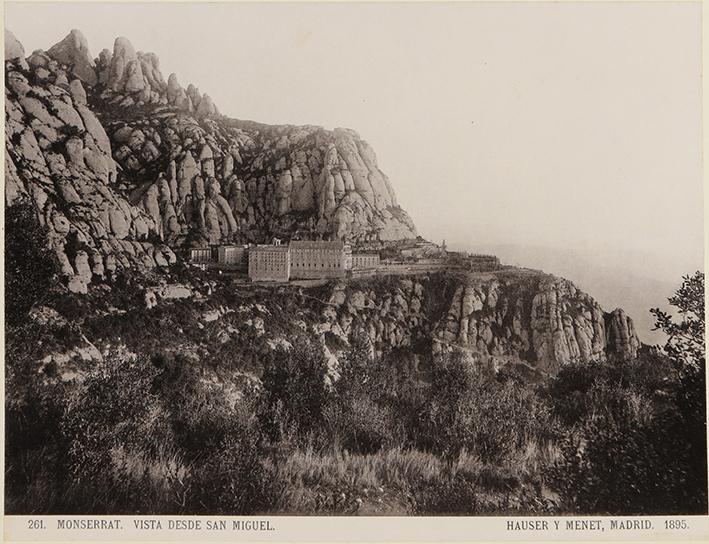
{"points": [[625, 453], [233, 479], [35, 447], [472, 411], [30, 267], [360, 425], [621, 468], [294, 389], [108, 411]]}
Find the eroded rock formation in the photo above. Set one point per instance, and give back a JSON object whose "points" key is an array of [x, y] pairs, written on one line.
{"points": [[113, 156], [538, 319]]}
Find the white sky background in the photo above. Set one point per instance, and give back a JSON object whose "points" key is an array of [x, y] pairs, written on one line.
{"points": [[569, 126]]}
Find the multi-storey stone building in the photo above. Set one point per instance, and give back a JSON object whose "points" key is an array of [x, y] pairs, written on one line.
{"points": [[319, 259], [200, 255], [234, 257], [365, 260], [269, 263]]}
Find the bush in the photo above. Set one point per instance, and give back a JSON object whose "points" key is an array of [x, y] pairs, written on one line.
{"points": [[109, 411], [294, 390], [621, 469], [363, 414], [360, 425], [469, 410], [233, 480], [30, 266], [626, 452], [36, 449]]}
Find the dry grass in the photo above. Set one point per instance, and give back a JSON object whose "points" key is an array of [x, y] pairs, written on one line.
{"points": [[399, 467], [340, 482], [394, 468], [163, 479]]}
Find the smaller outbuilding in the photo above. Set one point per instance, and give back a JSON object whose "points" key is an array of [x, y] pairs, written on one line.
{"points": [[269, 263], [233, 257], [365, 260], [200, 255]]}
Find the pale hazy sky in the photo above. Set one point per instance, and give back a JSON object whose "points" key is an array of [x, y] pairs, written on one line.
{"points": [[559, 125]]}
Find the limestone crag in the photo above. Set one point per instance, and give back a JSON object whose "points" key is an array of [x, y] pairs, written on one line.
{"points": [[544, 320], [539, 320], [621, 336], [391, 318], [228, 182], [73, 51], [112, 154], [59, 157]]}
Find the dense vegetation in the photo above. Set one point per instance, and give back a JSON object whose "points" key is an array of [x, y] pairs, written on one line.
{"points": [[165, 432], [149, 436]]}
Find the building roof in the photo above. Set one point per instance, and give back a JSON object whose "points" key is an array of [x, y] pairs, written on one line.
{"points": [[317, 244], [269, 248], [233, 247]]}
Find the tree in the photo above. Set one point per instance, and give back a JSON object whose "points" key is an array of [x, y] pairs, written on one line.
{"points": [[30, 266], [685, 348], [685, 345], [294, 388]]}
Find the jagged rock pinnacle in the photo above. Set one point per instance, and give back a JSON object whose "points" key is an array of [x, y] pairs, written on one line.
{"points": [[13, 48], [74, 52], [126, 73], [206, 106]]}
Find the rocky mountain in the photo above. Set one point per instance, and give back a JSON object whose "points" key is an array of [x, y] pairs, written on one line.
{"points": [[499, 318], [125, 167]]}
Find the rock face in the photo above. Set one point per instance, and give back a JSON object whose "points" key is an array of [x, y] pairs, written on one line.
{"points": [[125, 73], [59, 156], [226, 181], [543, 321], [108, 175]]}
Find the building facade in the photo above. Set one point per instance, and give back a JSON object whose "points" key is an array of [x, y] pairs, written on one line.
{"points": [[365, 260], [200, 255], [269, 263], [234, 256], [319, 259]]}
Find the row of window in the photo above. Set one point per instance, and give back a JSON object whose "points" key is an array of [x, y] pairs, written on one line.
{"points": [[275, 266], [315, 265]]}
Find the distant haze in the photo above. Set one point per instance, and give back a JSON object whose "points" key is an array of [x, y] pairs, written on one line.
{"points": [[568, 126]]}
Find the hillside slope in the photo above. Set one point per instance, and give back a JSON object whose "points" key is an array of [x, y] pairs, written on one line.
{"points": [[524, 321]]}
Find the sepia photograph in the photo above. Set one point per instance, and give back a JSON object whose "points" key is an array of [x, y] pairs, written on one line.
{"points": [[354, 259]]}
